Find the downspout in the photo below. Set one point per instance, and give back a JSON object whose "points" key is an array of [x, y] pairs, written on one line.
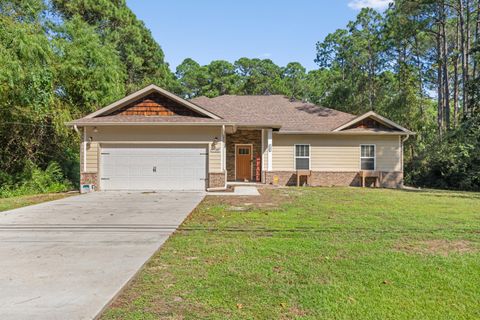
{"points": [[223, 153], [84, 149], [403, 141]]}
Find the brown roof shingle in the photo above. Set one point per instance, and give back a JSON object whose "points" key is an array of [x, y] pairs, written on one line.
{"points": [[293, 116], [275, 111]]}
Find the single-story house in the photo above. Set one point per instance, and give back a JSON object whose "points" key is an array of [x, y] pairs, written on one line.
{"points": [[155, 140]]}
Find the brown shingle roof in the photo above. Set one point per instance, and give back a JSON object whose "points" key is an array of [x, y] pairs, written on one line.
{"points": [[293, 116], [267, 111]]}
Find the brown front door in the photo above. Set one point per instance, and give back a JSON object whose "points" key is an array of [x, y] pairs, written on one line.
{"points": [[243, 162]]}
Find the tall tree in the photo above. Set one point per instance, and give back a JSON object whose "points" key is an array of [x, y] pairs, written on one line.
{"points": [[294, 76], [192, 78], [141, 55]]}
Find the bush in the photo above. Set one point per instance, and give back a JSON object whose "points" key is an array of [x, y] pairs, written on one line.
{"points": [[35, 180], [452, 162]]}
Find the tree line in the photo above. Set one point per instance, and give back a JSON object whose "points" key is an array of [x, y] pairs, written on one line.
{"points": [[416, 63]]}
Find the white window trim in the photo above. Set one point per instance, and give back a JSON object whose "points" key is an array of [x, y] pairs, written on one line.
{"points": [[374, 156], [295, 156]]}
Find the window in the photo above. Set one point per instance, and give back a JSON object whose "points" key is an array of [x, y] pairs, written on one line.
{"points": [[302, 157], [245, 151], [367, 157]]}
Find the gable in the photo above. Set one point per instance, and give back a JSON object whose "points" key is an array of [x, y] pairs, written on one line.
{"points": [[154, 104], [370, 123], [160, 102]]}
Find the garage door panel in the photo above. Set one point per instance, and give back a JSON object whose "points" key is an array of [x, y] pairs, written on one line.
{"points": [[132, 167]]}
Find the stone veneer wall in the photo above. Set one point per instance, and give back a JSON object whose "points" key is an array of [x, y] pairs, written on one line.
{"points": [[326, 179], [253, 137], [216, 180]]}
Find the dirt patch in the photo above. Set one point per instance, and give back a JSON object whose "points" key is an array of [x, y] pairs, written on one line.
{"points": [[269, 198], [293, 312], [437, 247]]}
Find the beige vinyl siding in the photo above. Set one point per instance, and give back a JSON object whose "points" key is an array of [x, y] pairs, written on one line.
{"points": [[178, 135], [215, 159], [389, 154], [335, 152], [92, 157], [282, 155]]}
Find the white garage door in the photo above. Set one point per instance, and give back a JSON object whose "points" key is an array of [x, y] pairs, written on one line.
{"points": [[153, 167]]}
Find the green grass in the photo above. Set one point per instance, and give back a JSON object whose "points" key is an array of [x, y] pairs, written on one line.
{"points": [[326, 253], [23, 201]]}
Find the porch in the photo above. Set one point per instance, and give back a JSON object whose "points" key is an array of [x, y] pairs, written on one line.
{"points": [[245, 153]]}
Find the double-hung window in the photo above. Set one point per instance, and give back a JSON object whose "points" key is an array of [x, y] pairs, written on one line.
{"points": [[302, 157], [367, 157]]}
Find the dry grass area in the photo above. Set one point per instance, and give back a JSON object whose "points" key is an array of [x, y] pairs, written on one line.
{"points": [[269, 198], [441, 247], [23, 201]]}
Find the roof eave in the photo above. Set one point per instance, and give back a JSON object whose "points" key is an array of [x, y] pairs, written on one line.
{"points": [[144, 123], [396, 133]]}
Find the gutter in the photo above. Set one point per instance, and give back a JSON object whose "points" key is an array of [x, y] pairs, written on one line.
{"points": [[209, 124], [400, 133]]}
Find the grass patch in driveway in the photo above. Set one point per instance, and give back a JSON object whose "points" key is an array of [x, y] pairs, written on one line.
{"points": [[23, 201], [316, 253]]}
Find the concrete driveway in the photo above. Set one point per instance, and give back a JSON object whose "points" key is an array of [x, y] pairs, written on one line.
{"points": [[67, 259]]}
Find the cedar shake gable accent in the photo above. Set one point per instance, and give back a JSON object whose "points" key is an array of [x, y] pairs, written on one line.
{"points": [[382, 124], [132, 98], [154, 104]]}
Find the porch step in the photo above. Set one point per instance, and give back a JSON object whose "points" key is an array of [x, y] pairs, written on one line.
{"points": [[237, 183]]}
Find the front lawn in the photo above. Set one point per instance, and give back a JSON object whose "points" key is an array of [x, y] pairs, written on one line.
{"points": [[23, 201], [324, 253]]}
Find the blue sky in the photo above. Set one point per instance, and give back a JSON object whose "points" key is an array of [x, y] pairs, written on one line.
{"points": [[281, 30]]}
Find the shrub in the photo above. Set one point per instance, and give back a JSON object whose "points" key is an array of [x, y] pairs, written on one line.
{"points": [[35, 180], [452, 162]]}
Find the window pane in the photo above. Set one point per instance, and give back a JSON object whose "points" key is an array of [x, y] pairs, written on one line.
{"points": [[243, 150], [371, 151], [302, 163], [302, 150], [368, 151], [368, 164], [298, 151]]}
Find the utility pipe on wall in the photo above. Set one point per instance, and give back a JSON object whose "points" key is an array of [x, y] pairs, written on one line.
{"points": [[84, 149]]}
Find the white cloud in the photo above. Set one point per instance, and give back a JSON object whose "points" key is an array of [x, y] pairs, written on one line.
{"points": [[375, 4]]}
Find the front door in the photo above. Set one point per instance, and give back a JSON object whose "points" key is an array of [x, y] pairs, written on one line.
{"points": [[243, 161]]}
